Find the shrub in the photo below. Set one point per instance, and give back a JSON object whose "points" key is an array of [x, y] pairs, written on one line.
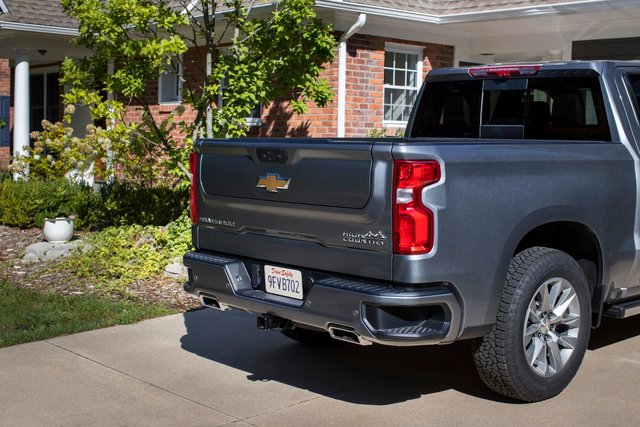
{"points": [[22, 201], [125, 204], [86, 205]]}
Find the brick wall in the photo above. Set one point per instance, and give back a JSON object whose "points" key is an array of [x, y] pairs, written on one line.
{"points": [[5, 78], [4, 157], [279, 120], [365, 78], [5, 90], [364, 103]]}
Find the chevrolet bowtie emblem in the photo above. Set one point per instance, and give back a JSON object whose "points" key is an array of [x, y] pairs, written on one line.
{"points": [[273, 182]]}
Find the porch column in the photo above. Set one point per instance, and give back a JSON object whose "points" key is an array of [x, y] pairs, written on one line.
{"points": [[21, 104]]}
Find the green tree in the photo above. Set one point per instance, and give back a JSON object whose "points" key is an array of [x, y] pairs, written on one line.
{"points": [[244, 58]]}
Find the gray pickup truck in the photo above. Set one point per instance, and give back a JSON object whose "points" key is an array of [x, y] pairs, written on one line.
{"points": [[509, 215]]}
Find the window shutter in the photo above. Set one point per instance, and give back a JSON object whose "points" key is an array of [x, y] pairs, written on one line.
{"points": [[5, 105]]}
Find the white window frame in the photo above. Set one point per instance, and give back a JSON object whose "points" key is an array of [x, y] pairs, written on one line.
{"points": [[180, 78], [409, 50]]}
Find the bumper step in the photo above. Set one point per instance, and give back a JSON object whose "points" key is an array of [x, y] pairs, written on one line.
{"points": [[420, 331]]}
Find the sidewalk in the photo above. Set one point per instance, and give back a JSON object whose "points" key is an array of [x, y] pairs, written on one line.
{"points": [[209, 368]]}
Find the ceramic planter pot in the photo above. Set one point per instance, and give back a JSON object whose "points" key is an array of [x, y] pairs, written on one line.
{"points": [[58, 230]]}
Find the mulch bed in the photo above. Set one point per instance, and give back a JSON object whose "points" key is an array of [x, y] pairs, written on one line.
{"points": [[40, 276]]}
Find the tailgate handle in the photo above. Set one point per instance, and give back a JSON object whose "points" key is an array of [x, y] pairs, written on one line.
{"points": [[272, 155]]}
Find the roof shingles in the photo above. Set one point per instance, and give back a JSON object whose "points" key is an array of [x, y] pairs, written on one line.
{"points": [[37, 12]]}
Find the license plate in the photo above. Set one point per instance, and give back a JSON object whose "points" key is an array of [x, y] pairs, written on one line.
{"points": [[283, 281]]}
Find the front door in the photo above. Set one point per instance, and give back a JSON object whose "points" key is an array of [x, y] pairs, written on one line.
{"points": [[44, 99]]}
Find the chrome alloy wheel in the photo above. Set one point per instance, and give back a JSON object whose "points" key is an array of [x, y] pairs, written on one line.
{"points": [[551, 328]]}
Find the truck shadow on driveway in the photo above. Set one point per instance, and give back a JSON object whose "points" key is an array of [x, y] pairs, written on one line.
{"points": [[375, 374]]}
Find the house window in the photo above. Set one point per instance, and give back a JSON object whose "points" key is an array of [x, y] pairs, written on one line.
{"points": [[402, 78], [170, 83], [255, 116]]}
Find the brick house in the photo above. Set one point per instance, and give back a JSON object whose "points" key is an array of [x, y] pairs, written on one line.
{"points": [[386, 49]]}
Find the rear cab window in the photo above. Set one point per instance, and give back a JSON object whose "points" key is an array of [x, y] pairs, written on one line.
{"points": [[634, 86], [542, 107]]}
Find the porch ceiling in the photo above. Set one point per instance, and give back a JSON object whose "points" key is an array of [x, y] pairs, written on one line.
{"points": [[42, 48]]}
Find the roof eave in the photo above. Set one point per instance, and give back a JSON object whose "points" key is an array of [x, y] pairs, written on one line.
{"points": [[456, 18], [376, 10], [35, 28], [528, 11]]}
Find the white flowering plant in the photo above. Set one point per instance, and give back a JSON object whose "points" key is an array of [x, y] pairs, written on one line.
{"points": [[56, 152]]}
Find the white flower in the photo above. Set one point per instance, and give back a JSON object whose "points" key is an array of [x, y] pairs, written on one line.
{"points": [[36, 157]]}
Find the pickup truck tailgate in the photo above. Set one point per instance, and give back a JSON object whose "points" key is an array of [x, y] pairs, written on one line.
{"points": [[310, 204]]}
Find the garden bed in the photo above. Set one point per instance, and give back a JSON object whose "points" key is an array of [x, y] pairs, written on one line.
{"points": [[158, 289]]}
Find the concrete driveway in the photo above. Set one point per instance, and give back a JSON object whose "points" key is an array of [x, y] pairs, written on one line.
{"points": [[209, 368]]}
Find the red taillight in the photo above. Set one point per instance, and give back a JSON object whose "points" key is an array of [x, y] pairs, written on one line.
{"points": [[504, 71], [193, 168], [412, 221]]}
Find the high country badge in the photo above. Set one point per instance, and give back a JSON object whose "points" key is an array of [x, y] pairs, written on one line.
{"points": [[370, 238], [273, 182]]}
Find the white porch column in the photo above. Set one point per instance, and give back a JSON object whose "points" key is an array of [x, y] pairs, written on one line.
{"points": [[21, 104]]}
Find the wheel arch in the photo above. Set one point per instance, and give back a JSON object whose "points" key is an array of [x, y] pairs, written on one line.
{"points": [[577, 240]]}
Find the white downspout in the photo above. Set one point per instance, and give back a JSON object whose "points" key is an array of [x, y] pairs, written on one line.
{"points": [[342, 72]]}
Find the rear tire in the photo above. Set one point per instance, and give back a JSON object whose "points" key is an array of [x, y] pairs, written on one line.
{"points": [[311, 337], [542, 328]]}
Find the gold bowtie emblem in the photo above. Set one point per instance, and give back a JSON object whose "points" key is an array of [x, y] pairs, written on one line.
{"points": [[273, 182]]}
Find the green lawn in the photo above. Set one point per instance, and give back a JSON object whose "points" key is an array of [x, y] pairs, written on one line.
{"points": [[27, 315]]}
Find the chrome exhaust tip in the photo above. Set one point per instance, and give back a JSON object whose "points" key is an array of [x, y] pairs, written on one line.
{"points": [[212, 302], [348, 335]]}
